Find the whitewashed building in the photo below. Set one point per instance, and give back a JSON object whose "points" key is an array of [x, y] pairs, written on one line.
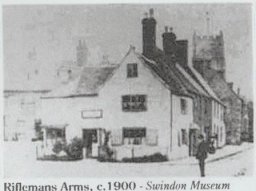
{"points": [[217, 108], [146, 112], [150, 103], [21, 111]]}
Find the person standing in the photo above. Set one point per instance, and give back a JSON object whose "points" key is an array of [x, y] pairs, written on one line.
{"points": [[201, 155]]}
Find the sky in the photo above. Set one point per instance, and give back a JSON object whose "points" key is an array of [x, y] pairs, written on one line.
{"points": [[37, 39]]}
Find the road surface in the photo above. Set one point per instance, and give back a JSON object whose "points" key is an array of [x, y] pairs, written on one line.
{"points": [[19, 161]]}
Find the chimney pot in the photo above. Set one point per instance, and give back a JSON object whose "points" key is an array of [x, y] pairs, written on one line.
{"points": [[171, 29], [146, 15]]}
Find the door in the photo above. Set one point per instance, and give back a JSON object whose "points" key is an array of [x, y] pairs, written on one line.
{"points": [[192, 142], [89, 137]]}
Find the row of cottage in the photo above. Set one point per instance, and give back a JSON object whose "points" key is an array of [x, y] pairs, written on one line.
{"points": [[154, 102]]}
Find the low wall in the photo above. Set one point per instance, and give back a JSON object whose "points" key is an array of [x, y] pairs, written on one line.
{"points": [[128, 151]]}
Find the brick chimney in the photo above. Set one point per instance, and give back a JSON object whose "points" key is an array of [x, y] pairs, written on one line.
{"points": [[169, 42], [182, 52], [176, 50], [149, 34]]}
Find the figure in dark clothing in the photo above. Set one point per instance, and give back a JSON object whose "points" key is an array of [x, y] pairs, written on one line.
{"points": [[202, 154]]}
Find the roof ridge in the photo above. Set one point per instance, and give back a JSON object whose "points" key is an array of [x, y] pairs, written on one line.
{"points": [[190, 79]]}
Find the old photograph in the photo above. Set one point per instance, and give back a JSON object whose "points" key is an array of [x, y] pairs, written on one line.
{"points": [[128, 90]]}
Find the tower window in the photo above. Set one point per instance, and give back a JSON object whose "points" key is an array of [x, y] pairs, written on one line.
{"points": [[132, 70]]}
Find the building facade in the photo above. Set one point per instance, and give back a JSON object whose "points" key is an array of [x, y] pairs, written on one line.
{"points": [[21, 112], [132, 102], [175, 54], [149, 103], [209, 61]]}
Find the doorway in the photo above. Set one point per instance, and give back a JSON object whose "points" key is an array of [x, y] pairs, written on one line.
{"points": [[90, 136]]}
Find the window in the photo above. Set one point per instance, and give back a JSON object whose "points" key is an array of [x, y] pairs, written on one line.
{"points": [[132, 70], [55, 133], [184, 136], [134, 136], [183, 106], [134, 103], [205, 107]]}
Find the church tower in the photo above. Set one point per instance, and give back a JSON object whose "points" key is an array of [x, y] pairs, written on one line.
{"points": [[208, 52]]}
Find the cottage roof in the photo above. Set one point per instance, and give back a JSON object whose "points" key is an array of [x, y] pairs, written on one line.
{"points": [[187, 80], [166, 74], [179, 81], [213, 75], [192, 81], [87, 84], [204, 84], [91, 79]]}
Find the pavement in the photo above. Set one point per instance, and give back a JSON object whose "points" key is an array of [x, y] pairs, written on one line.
{"points": [[221, 153]]}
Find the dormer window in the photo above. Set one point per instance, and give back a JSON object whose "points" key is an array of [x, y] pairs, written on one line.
{"points": [[132, 70]]}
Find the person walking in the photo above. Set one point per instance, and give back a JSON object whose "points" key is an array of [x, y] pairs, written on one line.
{"points": [[201, 155]]}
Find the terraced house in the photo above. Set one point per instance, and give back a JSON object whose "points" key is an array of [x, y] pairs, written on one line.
{"points": [[150, 103], [209, 61]]}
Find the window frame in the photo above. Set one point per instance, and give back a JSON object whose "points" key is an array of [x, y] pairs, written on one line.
{"points": [[134, 103], [134, 140], [132, 70]]}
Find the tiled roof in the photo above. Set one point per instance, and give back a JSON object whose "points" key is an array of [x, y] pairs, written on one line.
{"points": [[212, 75], [204, 84], [192, 81], [91, 79], [166, 74], [87, 84], [178, 80]]}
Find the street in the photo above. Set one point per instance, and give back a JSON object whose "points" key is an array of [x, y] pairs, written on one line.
{"points": [[24, 164]]}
